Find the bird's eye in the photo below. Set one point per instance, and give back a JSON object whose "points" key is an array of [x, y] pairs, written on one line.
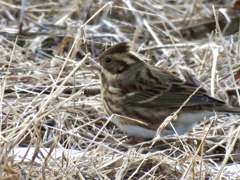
{"points": [[108, 60]]}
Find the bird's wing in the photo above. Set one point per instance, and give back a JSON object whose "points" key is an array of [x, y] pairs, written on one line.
{"points": [[160, 88]]}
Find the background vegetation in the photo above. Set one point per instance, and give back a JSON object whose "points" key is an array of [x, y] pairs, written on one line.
{"points": [[53, 124]]}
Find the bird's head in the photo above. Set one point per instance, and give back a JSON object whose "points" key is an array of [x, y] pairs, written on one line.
{"points": [[118, 58]]}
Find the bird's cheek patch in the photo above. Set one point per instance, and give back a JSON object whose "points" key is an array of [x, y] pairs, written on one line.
{"points": [[120, 69]]}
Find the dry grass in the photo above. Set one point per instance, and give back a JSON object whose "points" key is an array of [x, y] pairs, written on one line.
{"points": [[50, 97]]}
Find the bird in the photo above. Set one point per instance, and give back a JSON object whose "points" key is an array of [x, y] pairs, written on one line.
{"points": [[142, 96]]}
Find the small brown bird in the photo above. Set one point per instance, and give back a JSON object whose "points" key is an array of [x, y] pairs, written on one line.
{"points": [[137, 90]]}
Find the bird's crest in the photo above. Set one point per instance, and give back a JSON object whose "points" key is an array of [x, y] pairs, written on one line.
{"points": [[118, 48]]}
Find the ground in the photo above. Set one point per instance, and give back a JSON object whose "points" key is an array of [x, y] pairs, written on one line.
{"points": [[53, 124]]}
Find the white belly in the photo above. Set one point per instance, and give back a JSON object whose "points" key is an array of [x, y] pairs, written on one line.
{"points": [[182, 125]]}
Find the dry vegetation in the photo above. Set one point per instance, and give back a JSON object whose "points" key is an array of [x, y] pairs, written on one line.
{"points": [[50, 87]]}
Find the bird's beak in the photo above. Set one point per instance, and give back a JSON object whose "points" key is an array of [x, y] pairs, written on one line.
{"points": [[94, 64]]}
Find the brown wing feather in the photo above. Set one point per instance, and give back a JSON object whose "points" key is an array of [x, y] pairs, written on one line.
{"points": [[158, 88]]}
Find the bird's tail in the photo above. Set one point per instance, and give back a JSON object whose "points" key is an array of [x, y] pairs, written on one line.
{"points": [[229, 109]]}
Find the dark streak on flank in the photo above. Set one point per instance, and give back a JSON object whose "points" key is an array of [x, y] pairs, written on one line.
{"points": [[139, 116], [150, 75], [111, 103]]}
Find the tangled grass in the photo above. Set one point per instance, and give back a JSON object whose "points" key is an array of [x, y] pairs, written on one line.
{"points": [[53, 124]]}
